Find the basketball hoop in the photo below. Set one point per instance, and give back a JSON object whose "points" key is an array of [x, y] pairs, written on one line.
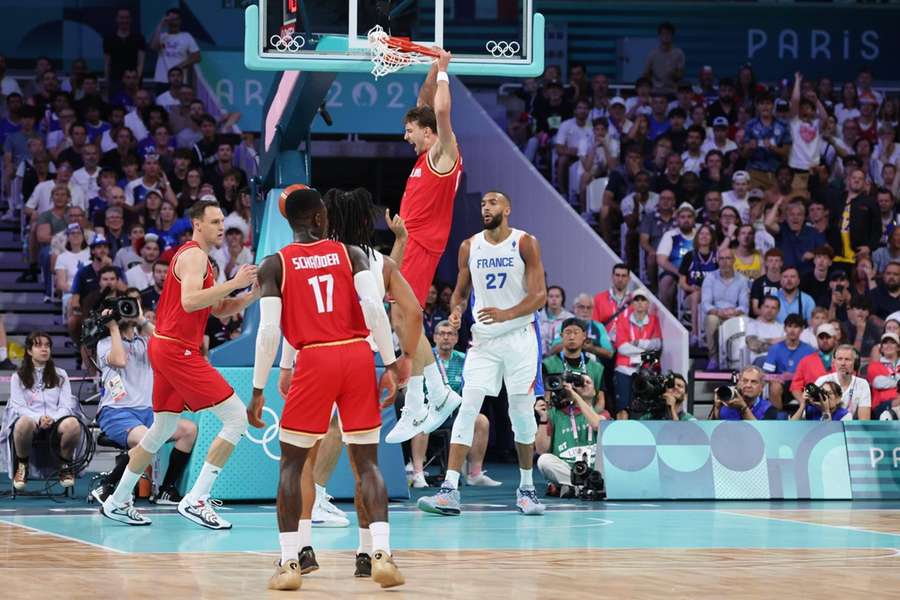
{"points": [[390, 54]]}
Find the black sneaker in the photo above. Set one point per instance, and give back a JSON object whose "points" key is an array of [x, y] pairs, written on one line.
{"points": [[307, 558], [363, 565], [168, 497]]}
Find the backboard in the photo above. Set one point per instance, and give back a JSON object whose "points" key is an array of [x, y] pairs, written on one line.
{"points": [[487, 37]]}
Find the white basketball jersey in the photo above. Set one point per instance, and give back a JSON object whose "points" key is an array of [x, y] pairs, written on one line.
{"points": [[376, 266], [498, 281]]}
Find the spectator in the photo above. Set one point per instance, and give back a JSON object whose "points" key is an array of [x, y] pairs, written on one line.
{"points": [[129, 255], [806, 114], [432, 313], [233, 253], [68, 263], [657, 119], [738, 197], [184, 118], [662, 150], [41, 406], [125, 147], [15, 146], [639, 104], [862, 277], [819, 217], [765, 144], [552, 316], [665, 64], [634, 206], [169, 227], [812, 367], [126, 409], [724, 105], [706, 89], [597, 342], [796, 240], [819, 316], [747, 259], [86, 178], [791, 298], [74, 215], [862, 332], [48, 224], [621, 182], [571, 134], [114, 229], [840, 296], [114, 197], [724, 294], [826, 407], [748, 403], [42, 198], [654, 224], [124, 91], [169, 98], [610, 304], [677, 132], [208, 144], [712, 207], [150, 296], [764, 331], [719, 140], [87, 280], [673, 246], [783, 357], [140, 276], [224, 167], [102, 199], [636, 332], [815, 282], [176, 48], [856, 396], [883, 374], [769, 282], [8, 85], [887, 254], [887, 211], [693, 158], [598, 154], [886, 297], [599, 97], [135, 119], [854, 224], [693, 270], [153, 179]]}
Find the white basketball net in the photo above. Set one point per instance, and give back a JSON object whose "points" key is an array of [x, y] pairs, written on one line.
{"points": [[387, 60]]}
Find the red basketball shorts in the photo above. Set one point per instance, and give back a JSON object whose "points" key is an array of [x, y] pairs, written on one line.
{"points": [[183, 378], [341, 374], [418, 268]]}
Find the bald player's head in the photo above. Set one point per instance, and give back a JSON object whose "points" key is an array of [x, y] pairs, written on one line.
{"points": [[495, 209], [304, 208]]}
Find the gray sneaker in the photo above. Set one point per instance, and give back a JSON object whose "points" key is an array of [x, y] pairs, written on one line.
{"points": [[445, 502], [528, 503]]}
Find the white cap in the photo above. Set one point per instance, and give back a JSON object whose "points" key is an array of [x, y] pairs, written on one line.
{"points": [[617, 100], [826, 328]]}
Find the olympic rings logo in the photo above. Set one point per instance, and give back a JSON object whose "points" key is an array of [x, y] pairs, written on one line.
{"points": [[289, 42], [500, 49], [271, 433]]}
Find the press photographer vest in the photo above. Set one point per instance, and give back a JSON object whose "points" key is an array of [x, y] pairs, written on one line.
{"points": [[571, 436]]}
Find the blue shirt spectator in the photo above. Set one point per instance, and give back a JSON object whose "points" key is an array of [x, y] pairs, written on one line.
{"points": [[794, 237], [761, 135], [793, 301]]}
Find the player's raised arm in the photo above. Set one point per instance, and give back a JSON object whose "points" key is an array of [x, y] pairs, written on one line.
{"points": [[429, 87], [459, 301], [268, 335], [445, 152], [191, 270], [530, 251], [409, 309]]}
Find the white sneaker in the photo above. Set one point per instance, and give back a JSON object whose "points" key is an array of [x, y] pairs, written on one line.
{"points": [[483, 480], [323, 518], [123, 514], [202, 512], [331, 508], [418, 481], [439, 411], [407, 427]]}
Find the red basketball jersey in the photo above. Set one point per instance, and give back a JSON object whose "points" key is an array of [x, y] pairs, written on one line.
{"points": [[172, 320], [319, 300], [427, 204]]}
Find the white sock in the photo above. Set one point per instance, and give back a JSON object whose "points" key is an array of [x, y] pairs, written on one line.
{"points": [[122, 495], [365, 541], [4, 353], [381, 537], [290, 545], [452, 478], [525, 481], [204, 483], [415, 395], [321, 496], [434, 380], [304, 531]]}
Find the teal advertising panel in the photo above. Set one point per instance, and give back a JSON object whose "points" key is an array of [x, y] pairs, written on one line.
{"points": [[873, 449], [724, 460], [252, 471]]}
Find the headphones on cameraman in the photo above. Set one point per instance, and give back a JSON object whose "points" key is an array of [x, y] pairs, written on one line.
{"points": [[857, 360]]}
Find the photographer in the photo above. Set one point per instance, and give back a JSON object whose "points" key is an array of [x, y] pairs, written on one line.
{"points": [[575, 358], [856, 396], [744, 402], [675, 397], [822, 404], [126, 406]]}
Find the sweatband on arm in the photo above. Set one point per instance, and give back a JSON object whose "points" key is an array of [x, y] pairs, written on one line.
{"points": [[442, 76], [267, 339], [288, 354], [376, 318]]}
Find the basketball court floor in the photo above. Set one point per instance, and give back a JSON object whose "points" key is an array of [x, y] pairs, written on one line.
{"points": [[577, 550]]}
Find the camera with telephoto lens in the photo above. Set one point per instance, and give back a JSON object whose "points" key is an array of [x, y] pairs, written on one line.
{"points": [[648, 387], [815, 393], [559, 397], [94, 327], [587, 481], [727, 393]]}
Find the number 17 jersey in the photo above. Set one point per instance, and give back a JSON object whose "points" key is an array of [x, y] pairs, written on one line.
{"points": [[319, 300], [498, 281]]}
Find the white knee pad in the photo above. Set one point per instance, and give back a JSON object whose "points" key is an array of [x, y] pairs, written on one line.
{"points": [[464, 424], [233, 415], [163, 428], [521, 415]]}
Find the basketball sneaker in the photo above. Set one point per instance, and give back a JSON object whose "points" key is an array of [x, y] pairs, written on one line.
{"points": [[445, 502], [438, 412], [363, 565], [286, 577], [123, 514], [307, 560], [323, 517], [418, 480], [328, 506], [102, 492], [384, 571], [528, 503], [168, 497], [482, 480], [202, 512], [407, 427]]}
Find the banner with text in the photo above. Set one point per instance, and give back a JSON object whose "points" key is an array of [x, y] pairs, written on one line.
{"points": [[873, 449]]}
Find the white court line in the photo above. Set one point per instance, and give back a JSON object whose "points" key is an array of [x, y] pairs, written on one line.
{"points": [[63, 537], [795, 522]]}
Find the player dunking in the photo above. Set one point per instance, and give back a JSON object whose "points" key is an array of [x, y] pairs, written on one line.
{"points": [[427, 209], [504, 267], [331, 304], [182, 377]]}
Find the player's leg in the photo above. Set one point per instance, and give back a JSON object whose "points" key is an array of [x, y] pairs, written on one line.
{"points": [[418, 447], [475, 457], [364, 548], [289, 506], [184, 437], [307, 555]]}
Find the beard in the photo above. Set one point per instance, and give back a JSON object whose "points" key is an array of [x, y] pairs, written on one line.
{"points": [[892, 287], [494, 223]]}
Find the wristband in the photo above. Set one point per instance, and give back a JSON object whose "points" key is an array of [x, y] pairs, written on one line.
{"points": [[442, 76]]}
